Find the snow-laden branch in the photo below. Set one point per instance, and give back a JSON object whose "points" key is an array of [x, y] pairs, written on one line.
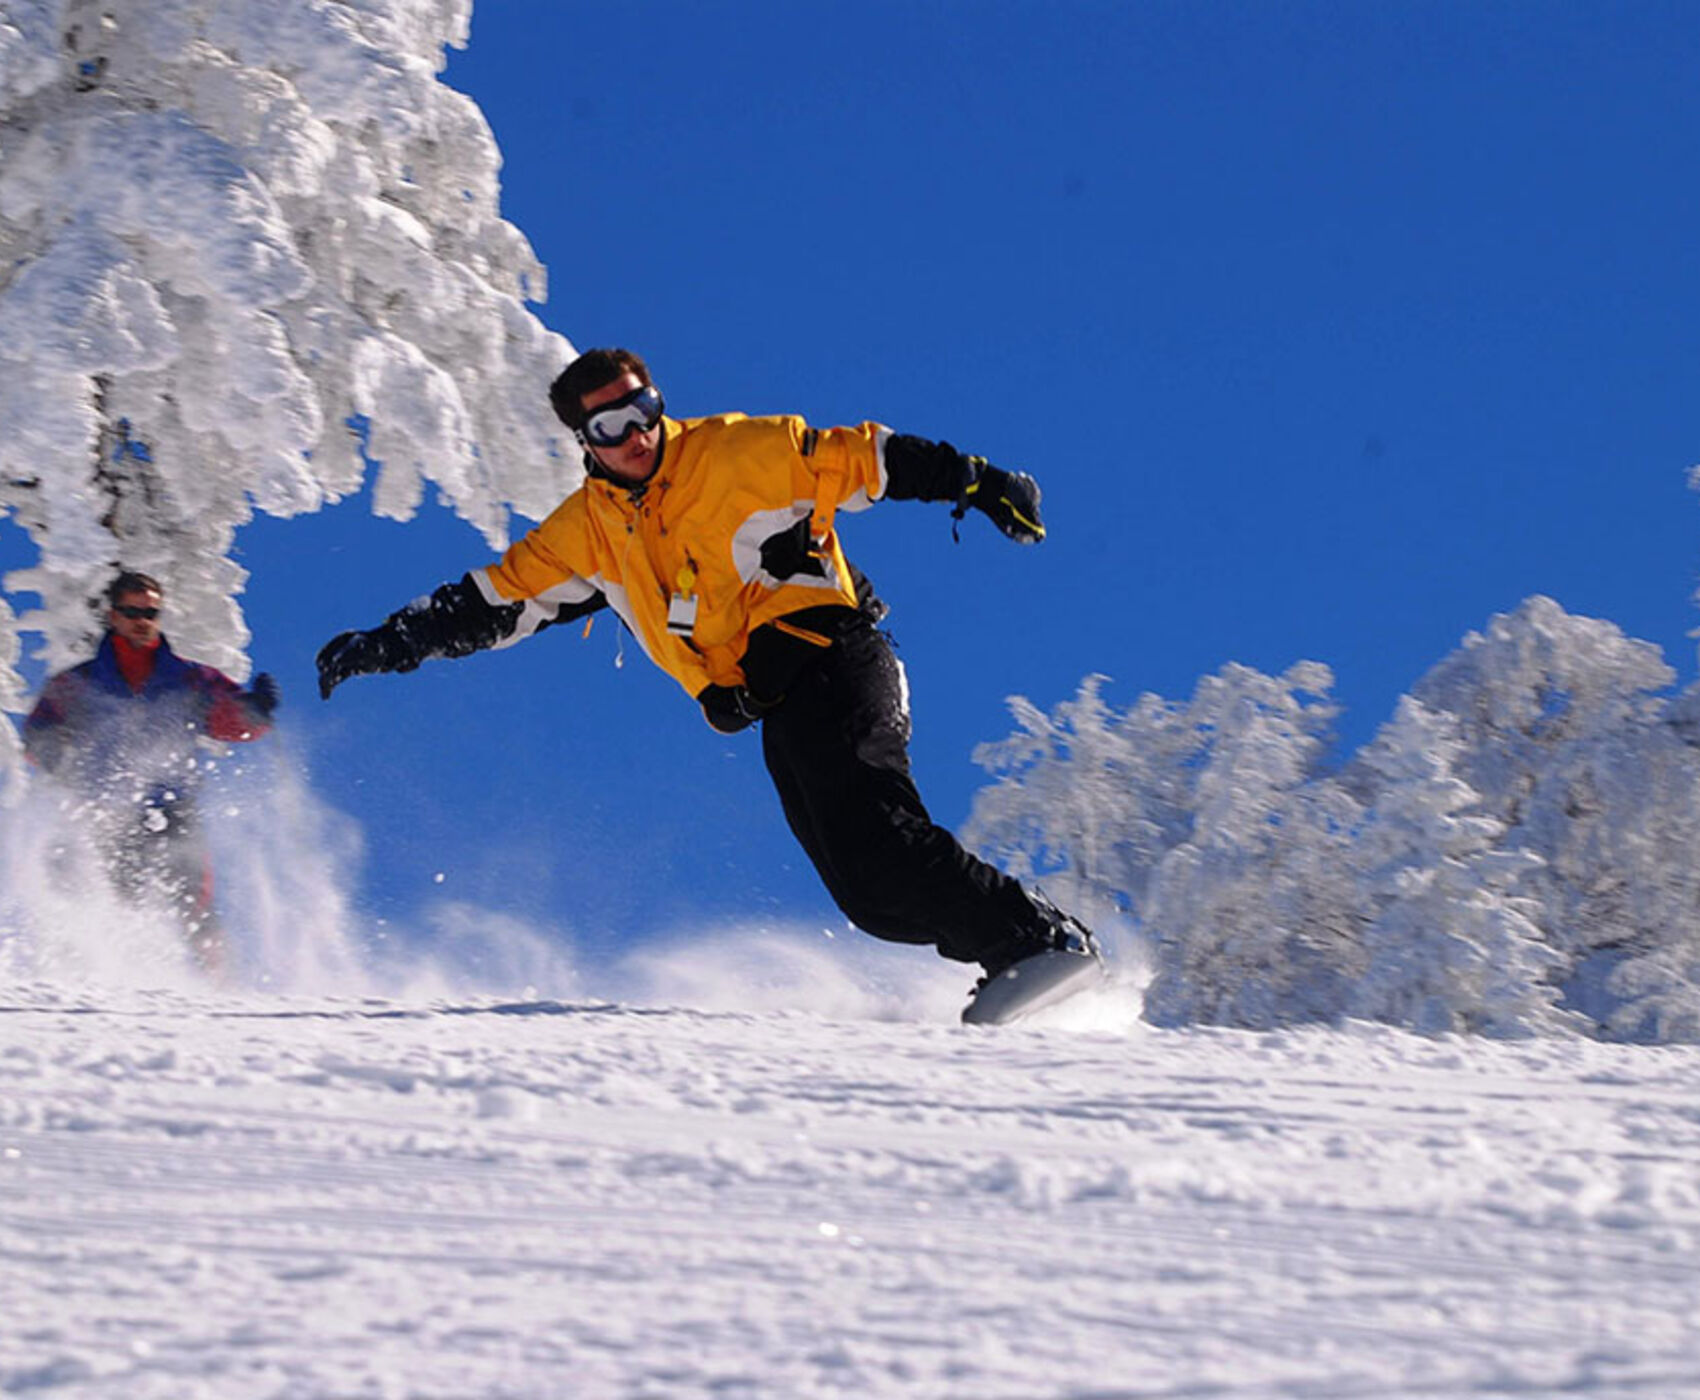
{"points": [[244, 249]]}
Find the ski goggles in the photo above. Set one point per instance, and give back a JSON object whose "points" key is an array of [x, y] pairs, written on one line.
{"points": [[613, 423], [136, 614]]}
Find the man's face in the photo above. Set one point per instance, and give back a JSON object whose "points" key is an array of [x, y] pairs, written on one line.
{"points": [[634, 459], [138, 631]]}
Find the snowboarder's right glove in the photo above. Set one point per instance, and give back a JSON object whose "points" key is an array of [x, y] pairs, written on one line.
{"points": [[454, 620], [1010, 499], [730, 708], [264, 693], [363, 654]]}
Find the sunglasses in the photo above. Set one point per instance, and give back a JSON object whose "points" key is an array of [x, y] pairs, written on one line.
{"points": [[613, 423], [136, 614]]}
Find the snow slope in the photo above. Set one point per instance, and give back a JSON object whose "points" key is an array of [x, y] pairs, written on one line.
{"points": [[235, 1196]]}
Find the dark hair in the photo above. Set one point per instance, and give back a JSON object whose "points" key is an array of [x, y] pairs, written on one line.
{"points": [[132, 582], [588, 373]]}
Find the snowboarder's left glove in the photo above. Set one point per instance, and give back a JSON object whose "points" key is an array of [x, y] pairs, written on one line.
{"points": [[730, 708], [264, 693], [1010, 499]]}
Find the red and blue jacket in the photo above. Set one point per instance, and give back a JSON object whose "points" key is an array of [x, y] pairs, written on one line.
{"points": [[104, 739]]}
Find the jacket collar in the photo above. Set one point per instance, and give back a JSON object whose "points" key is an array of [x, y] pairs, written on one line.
{"points": [[168, 670]]}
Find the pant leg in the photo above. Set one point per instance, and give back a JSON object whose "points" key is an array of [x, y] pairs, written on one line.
{"points": [[837, 750], [168, 869], [188, 884]]}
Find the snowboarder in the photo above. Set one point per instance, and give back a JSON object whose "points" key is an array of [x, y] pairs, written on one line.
{"points": [[122, 734], [713, 540]]}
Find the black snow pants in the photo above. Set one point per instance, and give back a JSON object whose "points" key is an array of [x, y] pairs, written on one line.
{"points": [[837, 748]]}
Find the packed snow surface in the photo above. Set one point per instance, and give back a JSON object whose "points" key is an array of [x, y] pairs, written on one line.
{"points": [[206, 1195]]}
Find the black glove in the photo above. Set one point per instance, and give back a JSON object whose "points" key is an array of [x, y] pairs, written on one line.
{"points": [[730, 708], [1010, 499], [362, 654], [454, 620], [263, 694]]}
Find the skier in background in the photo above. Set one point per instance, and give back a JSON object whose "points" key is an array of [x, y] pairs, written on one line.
{"points": [[122, 736], [713, 540]]}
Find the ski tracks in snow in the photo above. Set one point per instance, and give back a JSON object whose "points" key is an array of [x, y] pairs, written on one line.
{"points": [[232, 1199]]}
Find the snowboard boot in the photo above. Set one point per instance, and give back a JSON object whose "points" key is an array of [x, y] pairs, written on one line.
{"points": [[1058, 960], [1055, 932]]}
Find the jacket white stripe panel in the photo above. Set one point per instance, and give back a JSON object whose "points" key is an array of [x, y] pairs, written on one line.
{"points": [[547, 604], [762, 526]]}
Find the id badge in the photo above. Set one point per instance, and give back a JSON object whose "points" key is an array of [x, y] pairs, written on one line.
{"points": [[682, 614]]}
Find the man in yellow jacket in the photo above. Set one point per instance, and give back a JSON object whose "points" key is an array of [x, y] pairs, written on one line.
{"points": [[713, 540]]}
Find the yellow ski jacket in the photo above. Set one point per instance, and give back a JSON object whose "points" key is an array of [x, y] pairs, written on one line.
{"points": [[714, 545]]}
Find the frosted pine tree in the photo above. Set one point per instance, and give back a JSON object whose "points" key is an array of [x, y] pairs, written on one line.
{"points": [[1206, 821], [1620, 821], [1569, 741], [1253, 913], [1451, 945], [228, 232], [1087, 798], [1659, 994], [1533, 683]]}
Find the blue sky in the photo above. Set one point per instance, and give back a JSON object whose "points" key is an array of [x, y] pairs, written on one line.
{"points": [[1329, 330]]}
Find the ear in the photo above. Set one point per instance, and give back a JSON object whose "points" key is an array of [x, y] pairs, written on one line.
{"points": [[592, 464]]}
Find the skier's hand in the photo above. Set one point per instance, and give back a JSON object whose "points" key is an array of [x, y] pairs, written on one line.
{"points": [[264, 693], [1010, 499], [361, 654], [729, 708]]}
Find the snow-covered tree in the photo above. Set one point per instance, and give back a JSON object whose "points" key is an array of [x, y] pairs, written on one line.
{"points": [[1618, 823], [1571, 743], [1658, 994], [1533, 683], [1088, 797], [244, 247], [1207, 820], [1516, 846], [1451, 945], [1252, 915]]}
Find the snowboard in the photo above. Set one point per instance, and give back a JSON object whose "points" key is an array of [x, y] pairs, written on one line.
{"points": [[1031, 985]]}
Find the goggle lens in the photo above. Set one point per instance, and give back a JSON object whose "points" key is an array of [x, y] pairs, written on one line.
{"points": [[613, 423], [136, 614]]}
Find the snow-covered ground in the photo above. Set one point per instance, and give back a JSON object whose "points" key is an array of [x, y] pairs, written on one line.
{"points": [[231, 1196]]}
